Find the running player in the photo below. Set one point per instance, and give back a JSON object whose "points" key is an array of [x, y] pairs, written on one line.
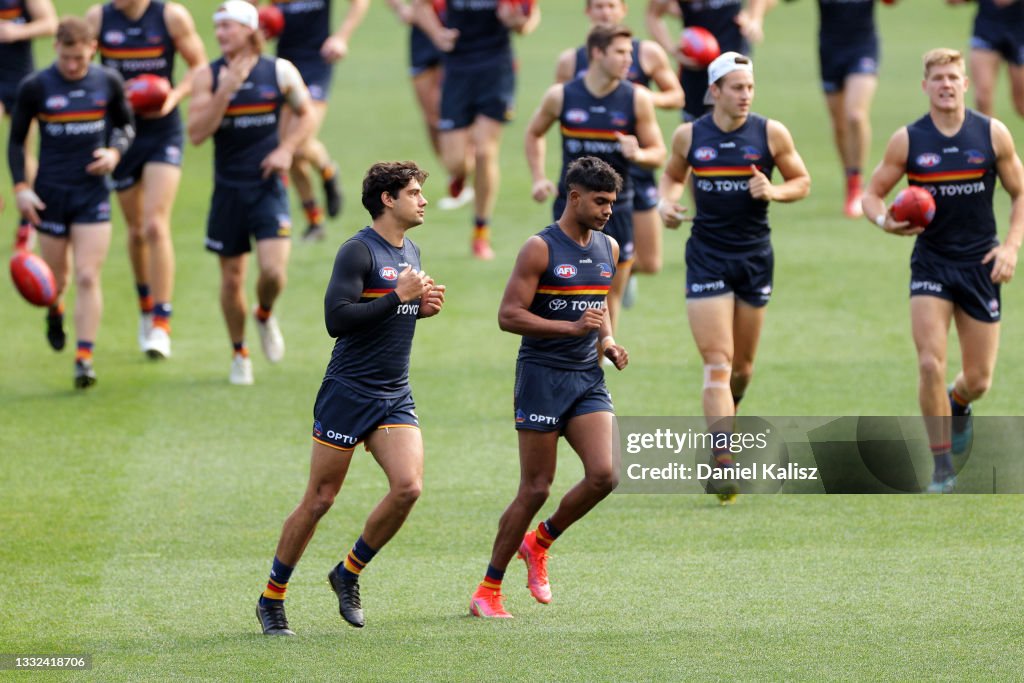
{"points": [[377, 292], [85, 128], [998, 36], [734, 27], [424, 69], [729, 260], [20, 22], [650, 63], [306, 42], [141, 37], [604, 115], [958, 264], [555, 299], [848, 55], [237, 101], [478, 93]]}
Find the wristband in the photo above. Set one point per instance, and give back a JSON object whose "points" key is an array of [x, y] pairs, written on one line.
{"points": [[606, 342], [880, 221]]}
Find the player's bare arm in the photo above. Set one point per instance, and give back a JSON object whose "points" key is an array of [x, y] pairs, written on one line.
{"points": [[677, 170], [300, 126], [514, 313], [646, 149], [426, 18], [796, 179], [207, 106], [515, 17], [189, 45], [606, 344], [565, 69], [536, 146], [655, 62], [1011, 176], [886, 175], [43, 23], [335, 48]]}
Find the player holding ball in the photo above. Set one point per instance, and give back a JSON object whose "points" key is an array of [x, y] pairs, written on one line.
{"points": [[958, 263]]}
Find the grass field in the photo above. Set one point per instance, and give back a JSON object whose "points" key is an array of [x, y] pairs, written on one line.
{"points": [[138, 521]]}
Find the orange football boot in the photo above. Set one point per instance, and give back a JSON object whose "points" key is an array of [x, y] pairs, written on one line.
{"points": [[487, 603], [536, 559]]}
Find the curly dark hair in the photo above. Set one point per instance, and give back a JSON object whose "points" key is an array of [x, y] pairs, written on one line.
{"points": [[593, 175], [390, 177]]}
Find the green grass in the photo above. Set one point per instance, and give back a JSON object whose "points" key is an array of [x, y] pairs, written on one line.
{"points": [[138, 521]]}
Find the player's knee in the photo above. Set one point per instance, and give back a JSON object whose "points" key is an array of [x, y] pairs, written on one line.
{"points": [[603, 481], [87, 278], [977, 384], [407, 492], [155, 230], [319, 505], [277, 274], [535, 492], [856, 118], [742, 373], [717, 373], [931, 365]]}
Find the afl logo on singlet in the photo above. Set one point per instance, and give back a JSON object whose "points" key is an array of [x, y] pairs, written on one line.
{"points": [[113, 37], [705, 154], [389, 273], [576, 116], [56, 102], [928, 159], [565, 271]]}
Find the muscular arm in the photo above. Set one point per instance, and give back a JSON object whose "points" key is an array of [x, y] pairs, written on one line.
{"points": [[43, 23], [656, 9], [547, 113], [187, 42], [565, 70], [886, 175], [797, 183], [343, 312], [655, 63], [514, 313], [26, 106], [1011, 175], [335, 48], [651, 154], [297, 97], [206, 107], [677, 170]]}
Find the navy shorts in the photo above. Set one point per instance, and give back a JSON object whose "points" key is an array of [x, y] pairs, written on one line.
{"points": [[67, 206], [619, 226], [423, 54], [343, 418], [710, 272], [838, 63], [317, 74], [545, 399], [158, 147], [468, 93], [1008, 41], [969, 286], [645, 189], [238, 213]]}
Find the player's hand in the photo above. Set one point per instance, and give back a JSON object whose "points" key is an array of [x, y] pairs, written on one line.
{"points": [[7, 32], [686, 62], [405, 13], [233, 75], [760, 186], [334, 49], [1005, 258], [751, 29], [629, 145], [591, 319], [903, 228], [106, 160], [29, 204], [172, 100], [542, 189], [617, 355], [412, 285], [446, 38], [432, 302], [672, 214], [278, 161], [512, 15]]}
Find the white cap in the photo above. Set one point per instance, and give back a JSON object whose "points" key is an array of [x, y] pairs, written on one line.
{"points": [[725, 64], [238, 10]]}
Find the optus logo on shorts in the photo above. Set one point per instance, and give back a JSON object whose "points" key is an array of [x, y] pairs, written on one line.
{"points": [[565, 271], [389, 273]]}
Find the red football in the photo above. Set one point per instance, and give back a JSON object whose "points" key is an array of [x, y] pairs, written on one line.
{"points": [[915, 205], [271, 21], [700, 45], [33, 278], [147, 93]]}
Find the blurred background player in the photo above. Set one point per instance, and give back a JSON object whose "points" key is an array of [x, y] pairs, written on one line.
{"points": [[729, 259], [958, 264], [650, 63], [237, 100], [848, 55], [20, 22], [307, 42], [998, 36], [142, 37], [734, 27], [559, 387], [605, 116], [85, 128], [478, 93], [377, 292], [424, 68]]}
